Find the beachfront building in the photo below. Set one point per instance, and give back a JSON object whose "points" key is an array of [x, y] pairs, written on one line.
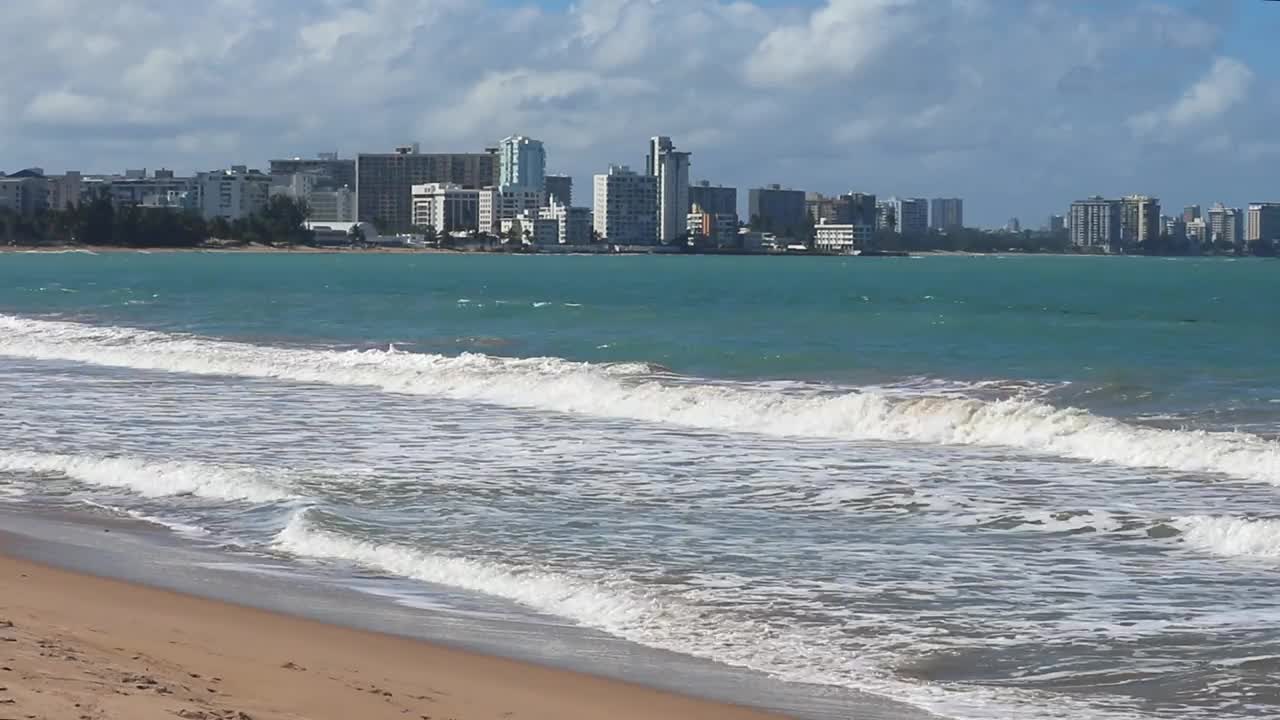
{"points": [[946, 213], [624, 203], [232, 194], [327, 167], [775, 209], [1262, 222], [841, 237], [1225, 224], [136, 186], [670, 170], [532, 228], [497, 205], [1095, 224], [25, 192], [849, 208], [522, 164], [573, 224], [384, 181], [1139, 219], [559, 189], [445, 207], [717, 229], [1197, 232], [911, 215]]}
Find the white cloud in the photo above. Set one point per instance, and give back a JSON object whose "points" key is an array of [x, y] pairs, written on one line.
{"points": [[991, 99], [1225, 85]]}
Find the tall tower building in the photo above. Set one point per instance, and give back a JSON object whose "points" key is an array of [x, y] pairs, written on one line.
{"points": [[1139, 219], [559, 190], [1095, 223], [1262, 224], [911, 214], [624, 207], [946, 213], [670, 168], [1225, 224], [523, 164]]}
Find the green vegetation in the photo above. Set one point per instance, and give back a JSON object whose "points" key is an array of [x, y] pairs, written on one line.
{"points": [[99, 222]]}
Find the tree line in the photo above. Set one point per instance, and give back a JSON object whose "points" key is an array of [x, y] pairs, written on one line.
{"points": [[99, 222]]}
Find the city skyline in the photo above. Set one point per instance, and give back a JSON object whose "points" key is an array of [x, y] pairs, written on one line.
{"points": [[586, 77]]}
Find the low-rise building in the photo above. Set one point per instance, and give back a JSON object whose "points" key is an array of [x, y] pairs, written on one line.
{"points": [[25, 192], [532, 228], [232, 194], [573, 224], [445, 207], [718, 229], [496, 205], [841, 237]]}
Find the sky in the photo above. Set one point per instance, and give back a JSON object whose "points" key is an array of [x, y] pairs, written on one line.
{"points": [[1018, 106]]}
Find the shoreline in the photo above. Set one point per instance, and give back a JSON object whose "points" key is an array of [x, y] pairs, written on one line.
{"points": [[80, 644]]}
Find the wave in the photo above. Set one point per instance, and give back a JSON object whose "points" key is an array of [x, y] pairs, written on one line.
{"points": [[632, 391], [627, 610], [1232, 537], [150, 478]]}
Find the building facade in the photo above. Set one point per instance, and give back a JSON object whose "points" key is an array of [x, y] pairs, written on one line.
{"points": [[126, 191], [337, 205], [774, 209], [1057, 223], [911, 215], [559, 190], [714, 199], [1262, 222], [1190, 212], [841, 237], [532, 228], [328, 167], [445, 207], [1139, 219], [670, 169], [497, 205], [522, 164], [717, 229], [232, 194], [946, 213], [25, 192], [624, 203], [573, 223], [1225, 225], [384, 181], [1095, 224]]}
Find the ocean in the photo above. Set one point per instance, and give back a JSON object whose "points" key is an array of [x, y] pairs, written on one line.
{"points": [[1015, 487]]}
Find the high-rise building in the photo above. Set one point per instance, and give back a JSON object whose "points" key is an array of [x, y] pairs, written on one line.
{"points": [[773, 209], [1013, 226], [671, 170], [330, 170], [445, 207], [1262, 223], [1190, 212], [559, 190], [714, 199], [886, 217], [498, 205], [624, 207], [1175, 228], [1225, 224], [717, 229], [946, 213], [1197, 232], [232, 194], [911, 215], [523, 164], [384, 181], [1139, 219], [573, 223], [849, 208], [336, 205], [1095, 223], [1057, 223], [25, 192]]}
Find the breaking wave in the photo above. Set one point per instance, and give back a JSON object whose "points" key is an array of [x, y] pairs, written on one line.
{"points": [[149, 478], [633, 391], [1232, 537]]}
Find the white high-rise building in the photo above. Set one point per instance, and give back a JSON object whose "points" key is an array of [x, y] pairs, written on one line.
{"points": [[232, 194], [523, 164], [624, 207], [497, 205], [1095, 223], [1225, 224], [671, 170]]}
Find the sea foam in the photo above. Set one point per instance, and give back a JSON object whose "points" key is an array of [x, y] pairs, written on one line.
{"points": [[150, 478], [1231, 536], [633, 391]]}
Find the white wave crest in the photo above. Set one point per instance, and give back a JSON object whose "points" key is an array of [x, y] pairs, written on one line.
{"points": [[631, 391], [1232, 537], [149, 478], [624, 609]]}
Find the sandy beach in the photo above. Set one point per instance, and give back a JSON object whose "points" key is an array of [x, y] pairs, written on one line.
{"points": [[77, 647]]}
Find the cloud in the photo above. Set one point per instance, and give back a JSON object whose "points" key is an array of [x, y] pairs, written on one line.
{"points": [[1019, 106], [1225, 85]]}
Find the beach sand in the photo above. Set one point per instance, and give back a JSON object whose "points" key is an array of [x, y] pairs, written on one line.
{"points": [[78, 647]]}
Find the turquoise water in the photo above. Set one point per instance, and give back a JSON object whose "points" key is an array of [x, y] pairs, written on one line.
{"points": [[1013, 486]]}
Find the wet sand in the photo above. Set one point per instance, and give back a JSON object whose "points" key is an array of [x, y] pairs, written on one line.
{"points": [[79, 647]]}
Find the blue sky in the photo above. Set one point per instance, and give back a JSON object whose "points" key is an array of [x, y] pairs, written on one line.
{"points": [[1019, 106]]}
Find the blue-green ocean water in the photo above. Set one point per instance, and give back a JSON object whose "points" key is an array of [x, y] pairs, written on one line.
{"points": [[990, 486]]}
